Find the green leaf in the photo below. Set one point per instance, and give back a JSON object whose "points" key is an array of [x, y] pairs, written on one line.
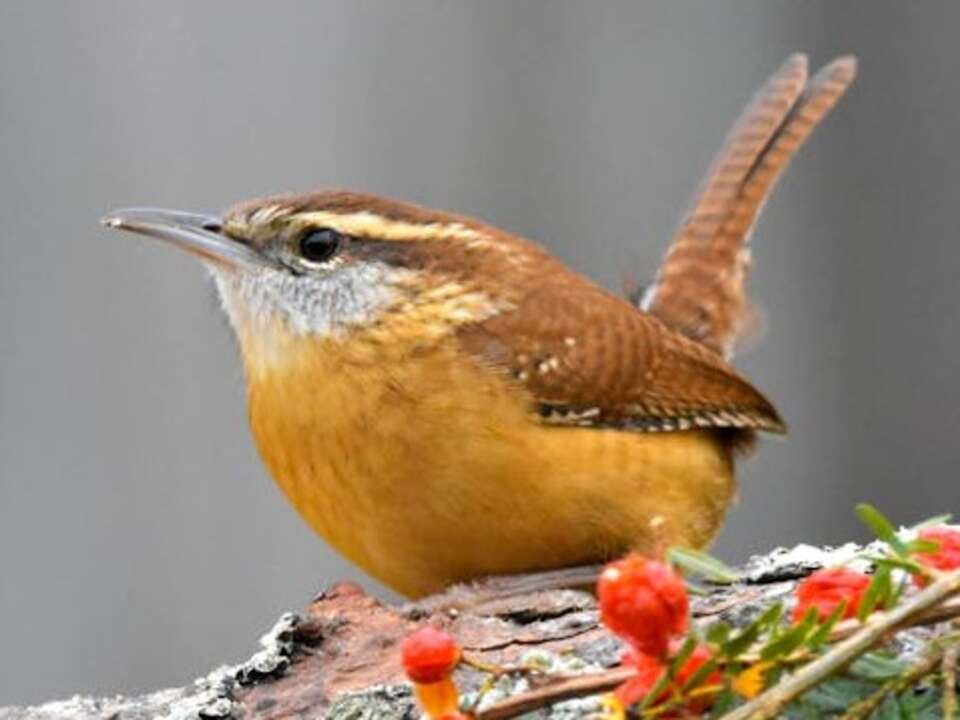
{"points": [[771, 616], [822, 633], [741, 642], [897, 591], [924, 705], [699, 676], [793, 638], [724, 703], [663, 682], [695, 588], [919, 545], [800, 710], [889, 710], [736, 644], [698, 563], [837, 694], [876, 666], [774, 675], [683, 655], [718, 633], [911, 566], [667, 676], [881, 527], [878, 591]]}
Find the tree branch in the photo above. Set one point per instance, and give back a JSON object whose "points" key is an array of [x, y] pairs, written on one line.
{"points": [[340, 658]]}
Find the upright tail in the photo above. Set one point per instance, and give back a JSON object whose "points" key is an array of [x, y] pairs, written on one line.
{"points": [[700, 287]]}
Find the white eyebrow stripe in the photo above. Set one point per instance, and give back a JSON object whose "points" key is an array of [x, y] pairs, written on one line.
{"points": [[374, 226], [265, 214]]}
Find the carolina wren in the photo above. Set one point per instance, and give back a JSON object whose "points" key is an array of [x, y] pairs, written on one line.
{"points": [[442, 400]]}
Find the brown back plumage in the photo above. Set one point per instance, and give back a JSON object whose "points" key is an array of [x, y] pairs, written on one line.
{"points": [[700, 287], [590, 359]]}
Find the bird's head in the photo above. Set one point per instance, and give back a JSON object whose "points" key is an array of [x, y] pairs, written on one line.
{"points": [[333, 265]]}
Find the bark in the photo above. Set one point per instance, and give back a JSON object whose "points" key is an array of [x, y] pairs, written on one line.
{"points": [[339, 659]]}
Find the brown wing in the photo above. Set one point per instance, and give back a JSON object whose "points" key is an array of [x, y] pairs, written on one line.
{"points": [[699, 289], [590, 358]]}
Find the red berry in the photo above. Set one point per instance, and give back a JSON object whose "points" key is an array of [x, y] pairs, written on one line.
{"points": [[429, 655], [649, 670], [636, 688], [946, 557], [825, 589], [644, 602]]}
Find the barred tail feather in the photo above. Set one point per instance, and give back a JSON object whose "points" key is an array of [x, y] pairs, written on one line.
{"points": [[700, 287]]}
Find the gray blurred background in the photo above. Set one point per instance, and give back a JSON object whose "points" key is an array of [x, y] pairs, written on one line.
{"points": [[141, 541]]}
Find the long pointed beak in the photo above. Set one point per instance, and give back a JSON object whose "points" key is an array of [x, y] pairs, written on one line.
{"points": [[199, 234]]}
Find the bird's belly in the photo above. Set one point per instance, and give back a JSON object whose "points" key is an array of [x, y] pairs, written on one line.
{"points": [[426, 479]]}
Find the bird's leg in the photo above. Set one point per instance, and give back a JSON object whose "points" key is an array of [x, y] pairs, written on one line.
{"points": [[493, 588]]}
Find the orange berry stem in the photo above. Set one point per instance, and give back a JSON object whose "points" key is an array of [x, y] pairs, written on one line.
{"points": [[439, 698]]}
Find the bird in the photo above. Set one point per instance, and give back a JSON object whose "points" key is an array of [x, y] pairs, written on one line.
{"points": [[444, 401]]}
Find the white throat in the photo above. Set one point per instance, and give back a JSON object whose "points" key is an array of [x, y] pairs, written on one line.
{"points": [[322, 305]]}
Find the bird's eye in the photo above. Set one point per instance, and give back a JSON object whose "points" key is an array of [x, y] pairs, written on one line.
{"points": [[318, 246]]}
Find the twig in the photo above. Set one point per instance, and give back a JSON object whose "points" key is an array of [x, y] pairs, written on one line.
{"points": [[947, 610], [865, 707], [562, 689], [949, 671], [770, 703], [582, 685]]}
